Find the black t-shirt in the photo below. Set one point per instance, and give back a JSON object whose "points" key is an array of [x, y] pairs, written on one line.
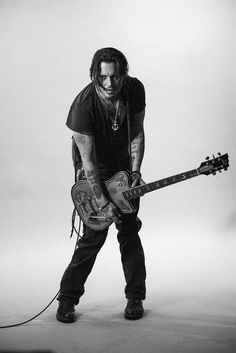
{"points": [[87, 115]]}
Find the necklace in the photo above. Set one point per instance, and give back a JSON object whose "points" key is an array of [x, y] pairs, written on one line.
{"points": [[115, 125]]}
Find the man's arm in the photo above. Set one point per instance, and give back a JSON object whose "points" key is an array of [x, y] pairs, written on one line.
{"points": [[86, 146], [137, 145]]}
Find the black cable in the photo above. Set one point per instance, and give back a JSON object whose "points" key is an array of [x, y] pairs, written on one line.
{"points": [[76, 243], [34, 317], [77, 176], [24, 322]]}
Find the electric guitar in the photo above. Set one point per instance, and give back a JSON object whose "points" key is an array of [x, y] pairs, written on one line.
{"points": [[119, 191]]}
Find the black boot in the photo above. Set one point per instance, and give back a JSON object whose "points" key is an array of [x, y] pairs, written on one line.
{"points": [[66, 311], [134, 309]]}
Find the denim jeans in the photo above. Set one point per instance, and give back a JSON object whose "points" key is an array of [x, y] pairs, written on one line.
{"points": [[132, 258]]}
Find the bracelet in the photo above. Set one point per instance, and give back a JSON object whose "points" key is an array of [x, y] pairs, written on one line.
{"points": [[102, 208]]}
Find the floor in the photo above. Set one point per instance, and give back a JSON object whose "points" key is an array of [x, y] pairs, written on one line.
{"points": [[171, 324]]}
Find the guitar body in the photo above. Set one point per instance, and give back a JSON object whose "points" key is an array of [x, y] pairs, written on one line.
{"points": [[87, 207]]}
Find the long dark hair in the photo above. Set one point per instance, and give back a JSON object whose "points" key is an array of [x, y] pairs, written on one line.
{"points": [[108, 55]]}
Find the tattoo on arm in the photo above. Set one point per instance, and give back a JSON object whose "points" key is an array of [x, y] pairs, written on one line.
{"points": [[134, 150], [94, 183], [137, 151], [91, 176], [134, 147], [137, 140], [97, 191], [86, 147]]}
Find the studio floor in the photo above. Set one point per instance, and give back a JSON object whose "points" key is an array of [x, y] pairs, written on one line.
{"points": [[171, 324]]}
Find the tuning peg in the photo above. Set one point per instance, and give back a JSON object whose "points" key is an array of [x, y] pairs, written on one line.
{"points": [[207, 158], [219, 154], [213, 156]]}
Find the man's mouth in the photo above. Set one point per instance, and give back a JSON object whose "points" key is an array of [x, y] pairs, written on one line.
{"points": [[109, 92]]}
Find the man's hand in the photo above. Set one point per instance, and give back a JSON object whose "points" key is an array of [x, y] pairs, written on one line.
{"points": [[111, 212], [136, 178]]}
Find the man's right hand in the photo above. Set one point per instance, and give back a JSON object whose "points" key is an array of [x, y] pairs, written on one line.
{"points": [[111, 212]]}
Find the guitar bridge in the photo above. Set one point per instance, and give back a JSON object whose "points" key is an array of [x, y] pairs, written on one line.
{"points": [[98, 218]]}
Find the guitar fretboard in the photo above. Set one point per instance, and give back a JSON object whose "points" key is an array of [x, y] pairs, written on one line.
{"points": [[143, 189]]}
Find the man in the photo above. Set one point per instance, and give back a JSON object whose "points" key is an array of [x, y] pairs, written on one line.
{"points": [[107, 120]]}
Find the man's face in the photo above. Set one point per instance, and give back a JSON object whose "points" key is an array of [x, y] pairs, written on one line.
{"points": [[109, 79]]}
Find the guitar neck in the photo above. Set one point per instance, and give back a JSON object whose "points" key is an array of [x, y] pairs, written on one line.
{"points": [[143, 189]]}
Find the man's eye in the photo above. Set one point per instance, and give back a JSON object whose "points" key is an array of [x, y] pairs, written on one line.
{"points": [[113, 78]]}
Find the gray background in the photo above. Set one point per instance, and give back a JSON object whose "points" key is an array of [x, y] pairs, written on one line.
{"points": [[183, 53]]}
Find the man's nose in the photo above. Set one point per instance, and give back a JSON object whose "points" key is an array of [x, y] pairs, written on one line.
{"points": [[109, 82]]}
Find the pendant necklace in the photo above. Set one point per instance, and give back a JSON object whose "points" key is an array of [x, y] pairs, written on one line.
{"points": [[115, 125]]}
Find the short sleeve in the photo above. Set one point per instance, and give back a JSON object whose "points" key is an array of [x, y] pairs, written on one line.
{"points": [[80, 119], [137, 96]]}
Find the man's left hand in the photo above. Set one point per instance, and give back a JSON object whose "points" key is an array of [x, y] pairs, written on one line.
{"points": [[136, 178]]}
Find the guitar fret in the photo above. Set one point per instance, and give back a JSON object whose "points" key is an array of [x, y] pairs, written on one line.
{"points": [[152, 186]]}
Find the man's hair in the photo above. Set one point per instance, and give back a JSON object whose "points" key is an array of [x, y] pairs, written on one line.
{"points": [[108, 55]]}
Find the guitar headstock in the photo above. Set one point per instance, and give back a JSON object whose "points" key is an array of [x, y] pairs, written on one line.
{"points": [[216, 164]]}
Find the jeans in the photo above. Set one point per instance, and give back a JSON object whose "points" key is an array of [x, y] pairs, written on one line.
{"points": [[132, 258]]}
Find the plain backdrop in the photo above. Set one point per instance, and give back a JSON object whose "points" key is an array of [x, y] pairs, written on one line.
{"points": [[183, 52]]}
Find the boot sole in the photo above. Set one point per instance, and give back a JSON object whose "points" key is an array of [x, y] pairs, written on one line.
{"points": [[64, 319], [133, 317]]}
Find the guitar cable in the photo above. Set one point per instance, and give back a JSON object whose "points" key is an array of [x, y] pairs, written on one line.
{"points": [[78, 175], [34, 317]]}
